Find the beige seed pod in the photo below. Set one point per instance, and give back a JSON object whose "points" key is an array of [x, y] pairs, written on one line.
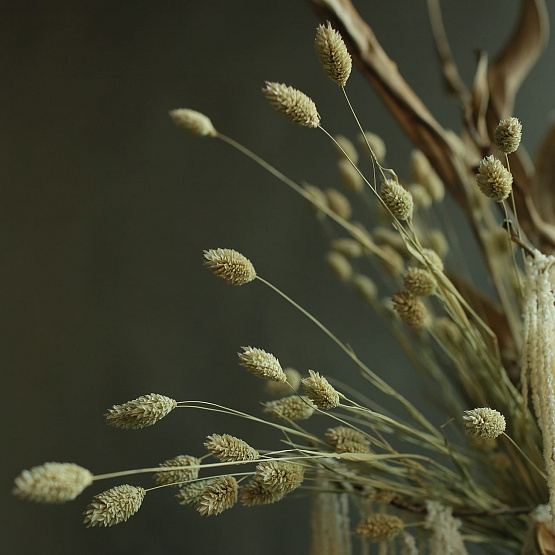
{"points": [[52, 482], [383, 496], [397, 199], [320, 391], [333, 54], [339, 203], [220, 493], [376, 144], [191, 494], [339, 265], [448, 330], [350, 176], [383, 236], [193, 122], [139, 413], [290, 408], [346, 440], [230, 265], [432, 259], [347, 247], [411, 310], [365, 288], [320, 199], [279, 476], [420, 196], [484, 422], [419, 282], [294, 104], [254, 493], [279, 389], [494, 180], [114, 506], [508, 134], [438, 242], [391, 261], [261, 364], [422, 172], [228, 448], [179, 475], [380, 527], [344, 146]]}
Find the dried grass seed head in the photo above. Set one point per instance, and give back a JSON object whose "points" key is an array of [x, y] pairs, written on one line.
{"points": [[391, 261], [419, 282], [380, 527], [52, 482], [384, 236], [423, 173], [397, 199], [178, 475], [420, 196], [114, 506], [438, 242], [333, 54], [294, 104], [292, 407], [230, 265], [193, 122], [279, 389], [339, 265], [345, 148], [346, 440], [448, 330], [228, 448], [254, 493], [411, 310], [262, 364], [494, 180], [339, 203], [350, 176], [319, 197], [484, 422], [365, 288], [432, 259], [508, 134], [220, 493], [139, 413], [376, 144], [347, 247], [279, 476], [320, 391], [191, 494]]}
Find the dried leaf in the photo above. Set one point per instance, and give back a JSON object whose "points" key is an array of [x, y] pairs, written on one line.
{"points": [[544, 183], [545, 540], [480, 99]]}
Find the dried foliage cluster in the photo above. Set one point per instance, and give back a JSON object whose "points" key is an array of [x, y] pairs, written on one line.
{"points": [[486, 476]]}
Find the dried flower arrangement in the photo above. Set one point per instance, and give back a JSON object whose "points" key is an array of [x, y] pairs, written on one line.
{"points": [[419, 487]]}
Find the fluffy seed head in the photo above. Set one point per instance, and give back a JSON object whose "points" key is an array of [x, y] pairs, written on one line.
{"points": [[494, 180], [350, 177], [365, 288], [449, 330], [423, 173], [433, 259], [380, 527], [279, 389], [339, 265], [262, 364], [166, 477], [230, 265], [139, 413], [219, 494], [319, 197], [347, 247], [114, 506], [376, 144], [254, 493], [391, 261], [52, 482], [333, 54], [411, 310], [384, 236], [320, 391], [397, 199], [339, 203], [290, 408], [346, 440], [419, 282], [420, 196], [227, 448], [191, 494], [348, 147], [484, 422], [294, 104], [438, 242], [193, 122], [508, 134], [279, 476]]}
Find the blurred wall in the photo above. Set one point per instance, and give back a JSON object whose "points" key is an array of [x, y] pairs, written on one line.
{"points": [[105, 208]]}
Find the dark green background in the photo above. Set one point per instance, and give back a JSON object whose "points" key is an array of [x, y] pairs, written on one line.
{"points": [[105, 208]]}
